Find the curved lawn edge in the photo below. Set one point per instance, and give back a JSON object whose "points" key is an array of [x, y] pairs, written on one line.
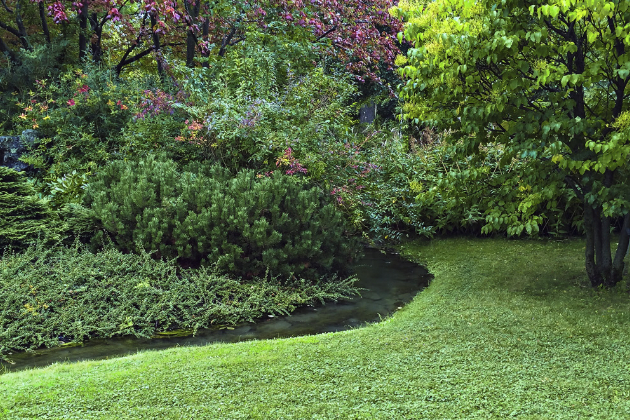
{"points": [[505, 329]]}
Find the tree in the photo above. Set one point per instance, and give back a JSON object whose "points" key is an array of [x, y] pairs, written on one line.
{"points": [[544, 80], [358, 33]]}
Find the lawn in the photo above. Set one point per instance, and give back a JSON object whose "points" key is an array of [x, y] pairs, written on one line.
{"points": [[506, 329]]}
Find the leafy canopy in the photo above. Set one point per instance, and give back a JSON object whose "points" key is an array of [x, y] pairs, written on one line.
{"points": [[547, 81]]}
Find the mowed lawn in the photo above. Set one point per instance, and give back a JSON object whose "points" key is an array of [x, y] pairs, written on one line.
{"points": [[507, 329]]}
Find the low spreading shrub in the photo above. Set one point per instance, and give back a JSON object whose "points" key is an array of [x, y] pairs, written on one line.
{"points": [[51, 295], [246, 224]]}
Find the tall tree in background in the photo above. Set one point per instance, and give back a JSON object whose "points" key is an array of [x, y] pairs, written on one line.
{"points": [[360, 34], [543, 80]]}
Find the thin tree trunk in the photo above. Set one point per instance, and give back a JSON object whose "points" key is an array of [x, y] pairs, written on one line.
{"points": [[21, 27], [156, 48], [191, 44], [83, 25], [205, 31], [622, 249], [606, 262], [97, 29], [42, 17], [589, 255], [191, 39]]}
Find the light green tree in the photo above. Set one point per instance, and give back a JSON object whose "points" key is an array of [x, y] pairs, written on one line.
{"points": [[545, 81]]}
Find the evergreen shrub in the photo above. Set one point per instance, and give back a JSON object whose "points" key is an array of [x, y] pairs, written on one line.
{"points": [[55, 294], [23, 216], [246, 223]]}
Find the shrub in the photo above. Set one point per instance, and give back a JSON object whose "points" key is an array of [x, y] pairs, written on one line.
{"points": [[88, 116], [51, 295], [389, 184], [243, 117], [245, 224], [23, 216]]}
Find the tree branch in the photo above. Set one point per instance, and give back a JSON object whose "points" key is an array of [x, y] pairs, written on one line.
{"points": [[4, 3], [328, 32], [42, 17], [4, 48], [10, 29], [228, 37]]}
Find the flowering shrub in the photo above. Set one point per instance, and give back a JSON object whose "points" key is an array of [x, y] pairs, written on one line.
{"points": [[77, 118], [87, 117], [291, 165], [156, 102]]}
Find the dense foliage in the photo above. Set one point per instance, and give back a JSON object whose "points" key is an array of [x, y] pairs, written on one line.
{"points": [[514, 122], [547, 83], [23, 216], [245, 224], [53, 295], [123, 33]]}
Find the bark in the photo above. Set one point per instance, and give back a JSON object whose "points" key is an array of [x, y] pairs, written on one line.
{"points": [[589, 255], [83, 35], [205, 31], [21, 27], [191, 44], [42, 17], [227, 39], [601, 268], [156, 48], [96, 45], [7, 8], [20, 31], [126, 60], [191, 39], [618, 264], [12, 31]]}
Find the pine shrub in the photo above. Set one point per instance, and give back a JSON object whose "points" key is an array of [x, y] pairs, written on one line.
{"points": [[245, 224]]}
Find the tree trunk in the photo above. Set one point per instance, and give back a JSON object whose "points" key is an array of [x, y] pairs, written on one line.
{"points": [[205, 33], [156, 48], [191, 44], [42, 17], [96, 45], [191, 39], [601, 268], [83, 25]]}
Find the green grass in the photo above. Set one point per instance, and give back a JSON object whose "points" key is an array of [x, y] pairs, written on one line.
{"points": [[507, 329]]}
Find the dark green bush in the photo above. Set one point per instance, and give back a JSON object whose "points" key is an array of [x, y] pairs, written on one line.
{"points": [[245, 224], [23, 216], [49, 295]]}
